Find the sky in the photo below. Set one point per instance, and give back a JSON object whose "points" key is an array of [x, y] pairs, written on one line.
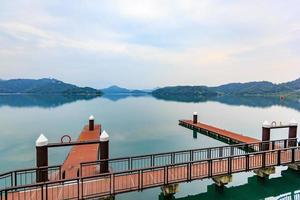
{"points": [[150, 43]]}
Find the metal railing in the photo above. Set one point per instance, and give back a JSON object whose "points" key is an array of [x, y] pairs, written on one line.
{"points": [[28, 176], [140, 179], [161, 159]]}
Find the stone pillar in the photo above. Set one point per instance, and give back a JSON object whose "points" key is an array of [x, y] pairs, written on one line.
{"points": [[91, 123], [222, 180], [266, 131], [293, 132], [41, 158], [170, 190], [195, 117], [104, 152], [195, 134]]}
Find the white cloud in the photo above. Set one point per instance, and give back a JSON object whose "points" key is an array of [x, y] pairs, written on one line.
{"points": [[182, 36]]}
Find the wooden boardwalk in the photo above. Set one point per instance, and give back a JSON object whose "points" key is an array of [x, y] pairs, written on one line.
{"points": [[82, 153], [222, 133], [136, 180]]}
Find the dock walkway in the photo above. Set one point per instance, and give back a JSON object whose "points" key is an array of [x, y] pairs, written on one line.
{"points": [[221, 133], [83, 153]]}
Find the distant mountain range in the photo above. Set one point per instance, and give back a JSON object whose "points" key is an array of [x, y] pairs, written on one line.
{"points": [[53, 86], [44, 86], [262, 88], [119, 90]]}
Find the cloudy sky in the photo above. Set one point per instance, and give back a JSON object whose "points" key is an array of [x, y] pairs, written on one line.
{"points": [[149, 43]]}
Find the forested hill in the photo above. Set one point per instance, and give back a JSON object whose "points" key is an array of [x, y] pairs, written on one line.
{"points": [[262, 88], [43, 86]]}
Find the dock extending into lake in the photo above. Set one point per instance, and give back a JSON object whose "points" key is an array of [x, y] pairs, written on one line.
{"points": [[89, 173], [82, 153], [229, 136]]}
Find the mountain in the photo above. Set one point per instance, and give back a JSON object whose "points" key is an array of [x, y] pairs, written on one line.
{"points": [[43, 86], [119, 90], [185, 93], [261, 88], [252, 88], [114, 90]]}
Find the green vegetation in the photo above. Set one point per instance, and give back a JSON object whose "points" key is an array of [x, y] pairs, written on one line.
{"points": [[263, 88], [44, 86]]}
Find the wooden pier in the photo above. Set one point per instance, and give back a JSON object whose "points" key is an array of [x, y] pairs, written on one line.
{"points": [[82, 153], [89, 173], [105, 185], [229, 136]]}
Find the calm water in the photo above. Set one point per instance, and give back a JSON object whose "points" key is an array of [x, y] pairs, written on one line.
{"points": [[139, 125]]}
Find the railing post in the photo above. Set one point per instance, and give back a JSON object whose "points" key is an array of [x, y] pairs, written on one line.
{"points": [[247, 162], [91, 123], [273, 145], [41, 158], [285, 143], [139, 180], [59, 171], [195, 118], [78, 188], [172, 158], [210, 168], [129, 164], [278, 157], [42, 192], [266, 130], [47, 192], [114, 184], [166, 176], [188, 171], [82, 191], [12, 182], [104, 152], [231, 151], [293, 155], [229, 166], [152, 160], [191, 155], [209, 153], [220, 152], [293, 132], [264, 159]]}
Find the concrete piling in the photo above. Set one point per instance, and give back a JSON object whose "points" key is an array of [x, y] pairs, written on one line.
{"points": [[104, 152], [91, 123], [195, 117], [41, 158]]}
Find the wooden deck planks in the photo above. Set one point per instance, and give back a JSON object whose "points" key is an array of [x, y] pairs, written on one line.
{"points": [[99, 186], [82, 153], [220, 132]]}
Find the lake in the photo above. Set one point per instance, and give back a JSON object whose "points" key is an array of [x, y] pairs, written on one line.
{"points": [[143, 125]]}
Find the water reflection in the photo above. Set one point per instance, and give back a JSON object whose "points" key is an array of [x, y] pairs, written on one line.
{"points": [[52, 101], [250, 101], [284, 187], [117, 97], [43, 101]]}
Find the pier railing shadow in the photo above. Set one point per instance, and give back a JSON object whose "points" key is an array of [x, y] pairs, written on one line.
{"points": [[254, 189], [180, 166]]}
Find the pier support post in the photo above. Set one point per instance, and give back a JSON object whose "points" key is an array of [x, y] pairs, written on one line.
{"points": [[41, 158], [293, 132], [266, 130], [170, 190], [222, 180], [195, 134], [264, 172], [91, 123], [195, 117], [104, 152]]}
